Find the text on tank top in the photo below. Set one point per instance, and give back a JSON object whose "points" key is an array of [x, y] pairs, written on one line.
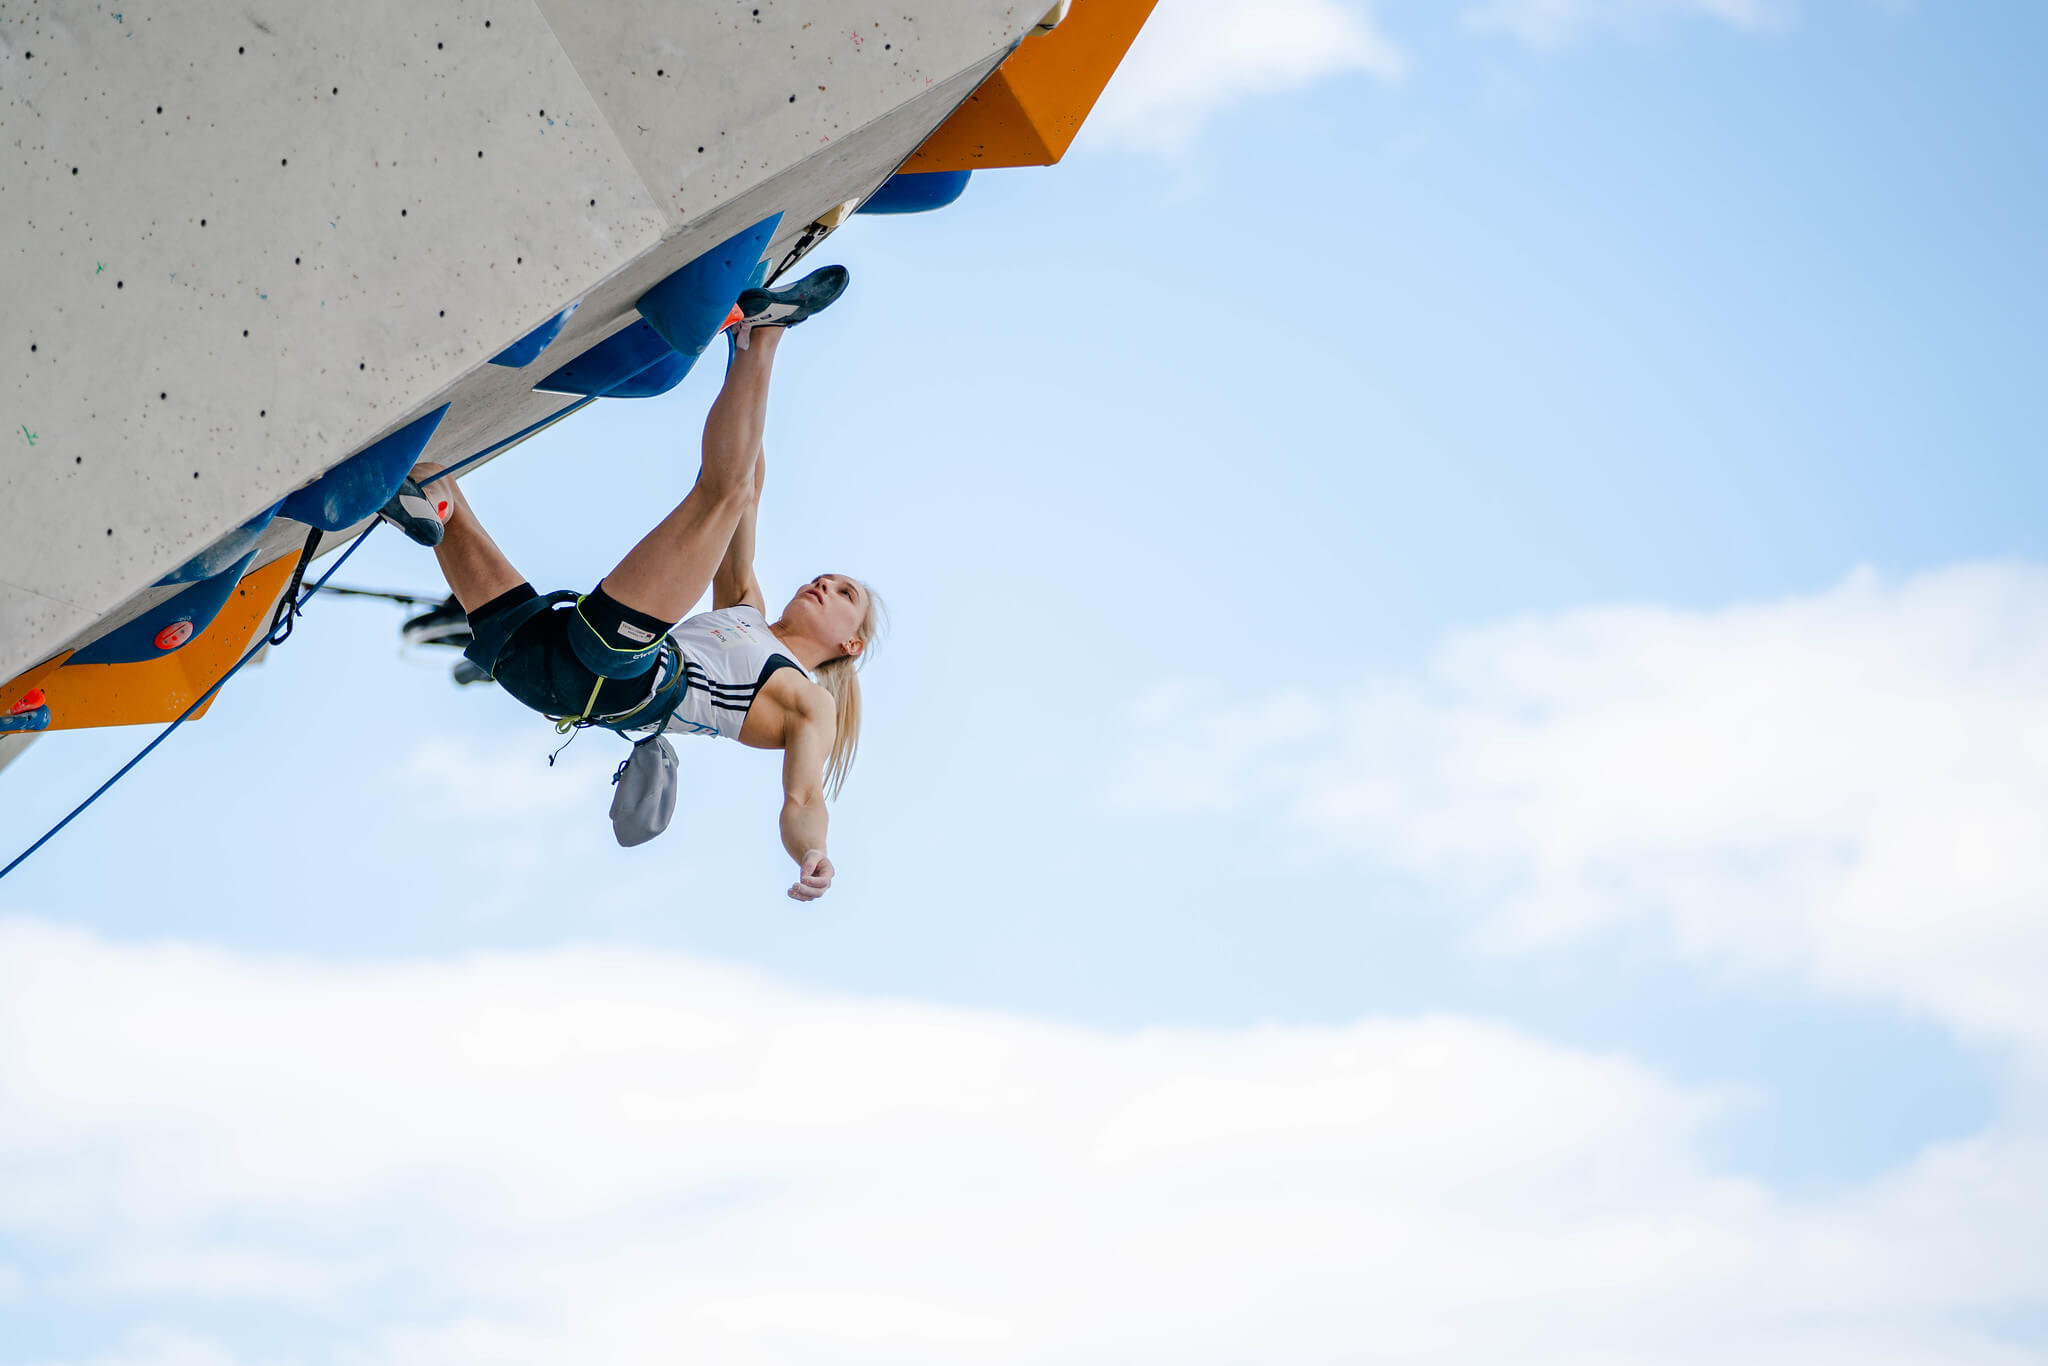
{"points": [[727, 656]]}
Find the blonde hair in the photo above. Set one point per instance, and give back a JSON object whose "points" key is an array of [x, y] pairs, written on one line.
{"points": [[841, 678]]}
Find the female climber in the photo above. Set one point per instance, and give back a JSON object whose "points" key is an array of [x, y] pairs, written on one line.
{"points": [[616, 657]]}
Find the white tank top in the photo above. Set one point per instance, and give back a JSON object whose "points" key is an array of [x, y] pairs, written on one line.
{"points": [[727, 656]]}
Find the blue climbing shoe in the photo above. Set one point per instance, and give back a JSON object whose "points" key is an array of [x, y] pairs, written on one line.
{"points": [[416, 512], [788, 307]]}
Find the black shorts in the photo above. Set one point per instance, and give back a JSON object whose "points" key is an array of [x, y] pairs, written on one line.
{"points": [[533, 656]]}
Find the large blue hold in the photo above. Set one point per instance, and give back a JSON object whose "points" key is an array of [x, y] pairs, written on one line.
{"points": [[607, 367], [678, 319], [359, 485], [658, 378], [689, 307], [155, 633], [917, 192]]}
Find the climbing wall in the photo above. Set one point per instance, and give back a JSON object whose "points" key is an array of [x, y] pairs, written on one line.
{"points": [[245, 242]]}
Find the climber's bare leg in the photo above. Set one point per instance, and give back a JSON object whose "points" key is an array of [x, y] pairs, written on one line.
{"points": [[668, 571], [476, 570]]}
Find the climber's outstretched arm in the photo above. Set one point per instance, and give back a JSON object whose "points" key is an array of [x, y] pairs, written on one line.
{"points": [[807, 743], [734, 584]]}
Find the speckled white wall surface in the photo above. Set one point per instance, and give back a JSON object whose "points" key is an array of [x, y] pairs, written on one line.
{"points": [[242, 242]]}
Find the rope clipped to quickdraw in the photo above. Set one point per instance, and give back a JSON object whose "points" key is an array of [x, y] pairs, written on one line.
{"points": [[812, 235], [288, 605]]}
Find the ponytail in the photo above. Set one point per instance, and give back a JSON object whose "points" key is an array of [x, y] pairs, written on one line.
{"points": [[841, 678]]}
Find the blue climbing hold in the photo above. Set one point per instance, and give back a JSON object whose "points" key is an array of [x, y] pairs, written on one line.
{"points": [[29, 713], [917, 192], [31, 719], [658, 378], [678, 319], [607, 366], [224, 551], [169, 625], [689, 307], [527, 349], [353, 490]]}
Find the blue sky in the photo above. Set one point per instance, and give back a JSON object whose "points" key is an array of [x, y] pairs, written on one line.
{"points": [[1510, 547]]}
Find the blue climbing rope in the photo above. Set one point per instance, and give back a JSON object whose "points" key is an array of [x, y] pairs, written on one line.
{"points": [[269, 636], [297, 606], [548, 421]]}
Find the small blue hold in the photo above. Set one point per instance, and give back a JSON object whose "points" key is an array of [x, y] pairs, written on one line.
{"points": [[527, 349], [35, 718], [224, 551]]}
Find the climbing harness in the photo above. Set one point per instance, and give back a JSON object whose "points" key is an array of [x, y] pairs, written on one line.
{"points": [[487, 659], [645, 800], [668, 673], [651, 710]]}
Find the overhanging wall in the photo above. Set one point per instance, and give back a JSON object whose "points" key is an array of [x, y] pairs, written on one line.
{"points": [[245, 242]]}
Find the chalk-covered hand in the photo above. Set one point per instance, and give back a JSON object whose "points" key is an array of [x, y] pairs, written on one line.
{"points": [[817, 877]]}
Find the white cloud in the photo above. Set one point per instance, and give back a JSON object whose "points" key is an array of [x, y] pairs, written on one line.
{"points": [[466, 779], [154, 1345], [494, 821], [1554, 23], [1196, 58], [1852, 785], [605, 1156]]}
